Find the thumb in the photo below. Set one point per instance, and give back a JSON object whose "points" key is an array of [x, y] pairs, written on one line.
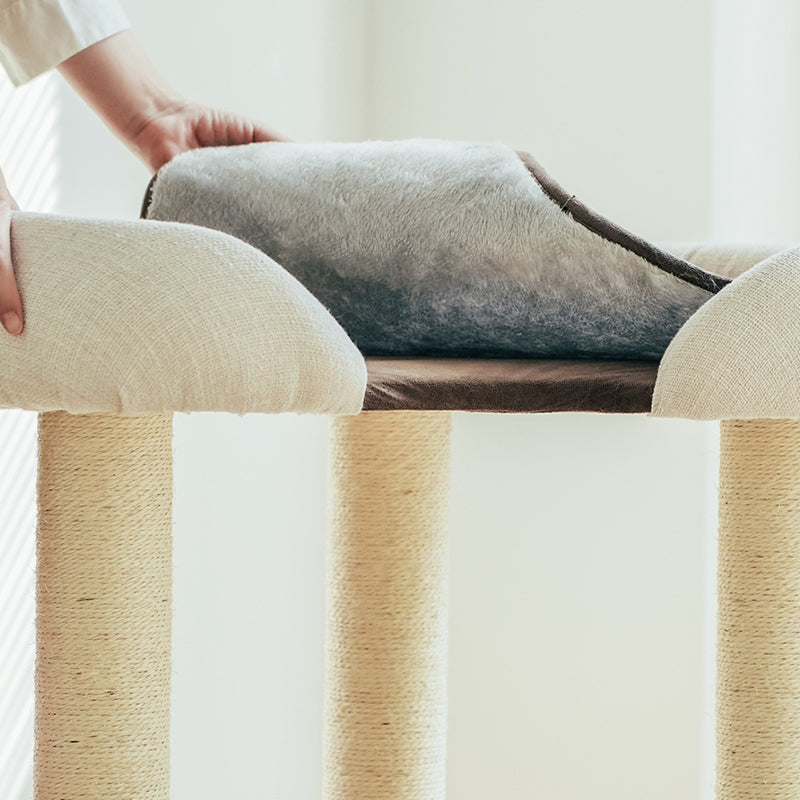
{"points": [[10, 301]]}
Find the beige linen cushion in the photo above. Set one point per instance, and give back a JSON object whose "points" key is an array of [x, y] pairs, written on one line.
{"points": [[738, 356], [142, 317]]}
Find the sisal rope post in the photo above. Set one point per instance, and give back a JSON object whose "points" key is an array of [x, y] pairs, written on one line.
{"points": [[103, 607], [387, 575], [758, 642]]}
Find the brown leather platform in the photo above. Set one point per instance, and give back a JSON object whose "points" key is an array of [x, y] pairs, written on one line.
{"points": [[509, 385]]}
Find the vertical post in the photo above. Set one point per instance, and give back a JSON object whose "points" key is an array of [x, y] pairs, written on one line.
{"points": [[387, 601], [103, 607], [758, 645]]}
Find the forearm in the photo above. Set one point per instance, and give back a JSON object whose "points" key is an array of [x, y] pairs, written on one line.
{"points": [[36, 35], [117, 79]]}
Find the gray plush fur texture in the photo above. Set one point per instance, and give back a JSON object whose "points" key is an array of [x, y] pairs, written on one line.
{"points": [[431, 248]]}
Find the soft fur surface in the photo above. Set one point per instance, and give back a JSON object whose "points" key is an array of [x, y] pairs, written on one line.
{"points": [[427, 247]]}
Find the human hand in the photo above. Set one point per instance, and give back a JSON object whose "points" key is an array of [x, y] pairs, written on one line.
{"points": [[188, 126], [117, 79], [10, 301]]}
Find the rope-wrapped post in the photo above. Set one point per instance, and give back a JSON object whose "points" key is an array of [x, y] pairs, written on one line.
{"points": [[387, 575], [103, 607], [758, 643]]}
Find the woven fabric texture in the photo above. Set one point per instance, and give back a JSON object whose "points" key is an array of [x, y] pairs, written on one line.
{"points": [[738, 357], [141, 317]]}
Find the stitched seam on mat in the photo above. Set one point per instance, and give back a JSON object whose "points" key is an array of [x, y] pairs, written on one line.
{"points": [[612, 232]]}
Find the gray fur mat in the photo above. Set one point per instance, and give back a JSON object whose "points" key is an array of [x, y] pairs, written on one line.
{"points": [[436, 248]]}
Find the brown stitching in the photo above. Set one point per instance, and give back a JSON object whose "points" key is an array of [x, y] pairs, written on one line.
{"points": [[612, 232]]}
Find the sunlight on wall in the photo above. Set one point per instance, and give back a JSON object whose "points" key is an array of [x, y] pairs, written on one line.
{"points": [[29, 160]]}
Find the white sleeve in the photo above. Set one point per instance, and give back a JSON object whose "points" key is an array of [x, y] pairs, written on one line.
{"points": [[36, 35]]}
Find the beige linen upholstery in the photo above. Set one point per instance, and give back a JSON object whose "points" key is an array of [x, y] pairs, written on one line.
{"points": [[738, 356], [142, 317]]}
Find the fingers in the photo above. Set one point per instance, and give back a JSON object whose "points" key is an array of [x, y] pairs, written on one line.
{"points": [[192, 126], [223, 128], [264, 134], [10, 301]]}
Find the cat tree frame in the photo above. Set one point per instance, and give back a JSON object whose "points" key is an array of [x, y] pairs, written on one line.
{"points": [[105, 575]]}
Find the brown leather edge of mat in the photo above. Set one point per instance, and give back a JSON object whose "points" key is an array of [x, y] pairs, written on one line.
{"points": [[509, 385], [148, 197], [609, 230]]}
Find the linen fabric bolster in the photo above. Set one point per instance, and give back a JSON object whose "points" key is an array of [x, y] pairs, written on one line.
{"points": [[139, 318]]}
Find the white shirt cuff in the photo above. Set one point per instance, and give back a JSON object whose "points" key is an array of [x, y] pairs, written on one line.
{"points": [[36, 35]]}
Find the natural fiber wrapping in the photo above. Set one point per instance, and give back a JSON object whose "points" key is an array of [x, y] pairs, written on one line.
{"points": [[387, 601], [103, 607], [142, 317], [758, 644]]}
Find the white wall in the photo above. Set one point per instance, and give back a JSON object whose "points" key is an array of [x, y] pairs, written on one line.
{"points": [[579, 542], [612, 98], [756, 121]]}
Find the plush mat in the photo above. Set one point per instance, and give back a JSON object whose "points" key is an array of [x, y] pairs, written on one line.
{"points": [[141, 318], [437, 248]]}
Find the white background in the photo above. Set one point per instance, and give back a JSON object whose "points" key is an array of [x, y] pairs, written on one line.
{"points": [[582, 545]]}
